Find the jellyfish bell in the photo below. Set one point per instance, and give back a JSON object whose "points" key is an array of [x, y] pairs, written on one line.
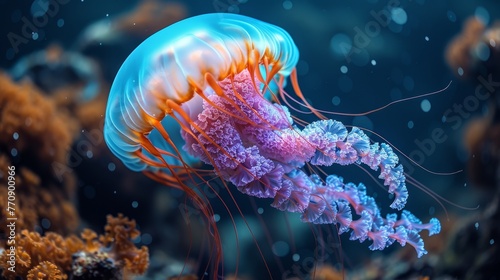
{"points": [[209, 90]]}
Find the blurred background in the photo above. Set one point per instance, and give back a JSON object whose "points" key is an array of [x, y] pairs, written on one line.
{"points": [[59, 58]]}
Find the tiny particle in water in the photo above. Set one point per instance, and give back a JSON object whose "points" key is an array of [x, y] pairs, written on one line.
{"points": [[135, 204], [34, 35], [280, 248], [344, 69], [46, 223], [216, 217], [476, 225], [451, 16], [107, 15], [399, 16], [410, 124], [374, 62], [13, 152], [296, 257], [111, 166], [460, 71], [260, 210], [425, 105], [287, 5], [146, 238], [427, 38], [60, 22], [15, 135], [336, 100], [492, 241], [90, 154]]}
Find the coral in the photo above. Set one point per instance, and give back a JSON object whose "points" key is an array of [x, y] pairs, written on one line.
{"points": [[43, 134], [37, 202], [119, 233], [476, 51], [458, 51], [325, 272], [46, 271], [36, 136], [96, 265], [108, 256], [35, 251]]}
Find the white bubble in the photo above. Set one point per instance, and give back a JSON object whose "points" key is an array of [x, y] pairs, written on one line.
{"points": [[60, 22], [410, 124], [15, 135], [13, 152], [399, 15], [39, 8], [135, 204], [260, 210], [425, 105], [296, 257], [344, 69], [216, 217], [460, 71], [34, 35], [374, 62], [427, 38], [111, 166]]}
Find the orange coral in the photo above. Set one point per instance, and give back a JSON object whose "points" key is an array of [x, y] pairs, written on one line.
{"points": [[36, 136], [36, 202], [46, 271], [52, 256], [326, 272], [476, 50], [120, 232], [44, 133], [32, 249]]}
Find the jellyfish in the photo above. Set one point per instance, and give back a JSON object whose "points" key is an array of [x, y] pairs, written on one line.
{"points": [[208, 90]]}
